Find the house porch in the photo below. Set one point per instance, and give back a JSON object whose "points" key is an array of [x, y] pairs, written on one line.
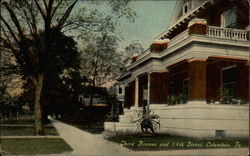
{"points": [[187, 97]]}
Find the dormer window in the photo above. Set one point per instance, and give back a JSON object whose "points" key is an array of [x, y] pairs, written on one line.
{"points": [[185, 8], [229, 18]]}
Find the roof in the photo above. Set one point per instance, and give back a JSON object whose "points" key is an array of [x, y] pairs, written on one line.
{"points": [[177, 12], [178, 17]]}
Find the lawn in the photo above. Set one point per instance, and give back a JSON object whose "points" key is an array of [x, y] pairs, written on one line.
{"points": [[23, 146], [34, 146], [143, 142], [94, 129], [24, 130], [23, 127], [18, 122]]}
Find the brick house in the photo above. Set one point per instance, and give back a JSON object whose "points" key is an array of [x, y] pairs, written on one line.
{"points": [[195, 75]]}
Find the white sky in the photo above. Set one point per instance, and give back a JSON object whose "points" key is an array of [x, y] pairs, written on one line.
{"points": [[153, 17]]}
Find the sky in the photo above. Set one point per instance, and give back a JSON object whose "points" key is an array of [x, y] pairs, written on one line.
{"points": [[152, 19]]}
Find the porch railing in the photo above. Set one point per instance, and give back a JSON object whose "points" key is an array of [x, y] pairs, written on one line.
{"points": [[226, 33]]}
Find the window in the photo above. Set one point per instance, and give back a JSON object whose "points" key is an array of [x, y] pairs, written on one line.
{"points": [[172, 87], [185, 8], [80, 100], [229, 80], [229, 18], [120, 90]]}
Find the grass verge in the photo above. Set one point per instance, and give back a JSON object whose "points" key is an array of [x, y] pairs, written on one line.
{"points": [[25, 130], [94, 129], [24, 127], [142, 142], [19, 122], [34, 146]]}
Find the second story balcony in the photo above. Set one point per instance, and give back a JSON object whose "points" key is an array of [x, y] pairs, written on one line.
{"points": [[196, 33], [227, 33]]}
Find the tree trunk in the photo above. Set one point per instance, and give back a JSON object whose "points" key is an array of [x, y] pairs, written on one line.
{"points": [[91, 98], [93, 86], [38, 84], [92, 92]]}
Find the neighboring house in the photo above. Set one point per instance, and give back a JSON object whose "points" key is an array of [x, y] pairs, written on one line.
{"points": [[99, 108], [98, 100], [120, 94], [131, 52], [195, 76]]}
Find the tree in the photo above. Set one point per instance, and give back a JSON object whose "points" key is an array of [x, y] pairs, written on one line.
{"points": [[65, 56], [100, 61], [28, 32]]}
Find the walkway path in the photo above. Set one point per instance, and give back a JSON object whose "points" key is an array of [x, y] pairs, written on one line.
{"points": [[87, 144]]}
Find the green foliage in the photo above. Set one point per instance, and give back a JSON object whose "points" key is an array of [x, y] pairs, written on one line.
{"points": [[113, 115], [12, 107], [226, 97], [100, 61], [173, 100], [122, 9], [148, 122]]}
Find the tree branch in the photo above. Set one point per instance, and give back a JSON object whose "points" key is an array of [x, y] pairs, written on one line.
{"points": [[9, 28], [57, 6], [46, 6], [66, 15], [40, 9], [34, 22], [49, 9], [31, 25], [15, 20]]}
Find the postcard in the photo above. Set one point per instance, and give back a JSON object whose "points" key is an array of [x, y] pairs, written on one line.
{"points": [[124, 77]]}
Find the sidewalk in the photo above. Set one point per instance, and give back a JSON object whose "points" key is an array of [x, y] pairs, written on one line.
{"points": [[87, 144]]}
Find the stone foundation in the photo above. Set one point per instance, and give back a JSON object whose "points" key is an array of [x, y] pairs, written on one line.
{"points": [[194, 119]]}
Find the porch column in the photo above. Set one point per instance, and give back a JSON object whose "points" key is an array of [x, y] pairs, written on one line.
{"points": [[129, 95], [127, 98], [136, 92], [148, 88], [197, 80]]}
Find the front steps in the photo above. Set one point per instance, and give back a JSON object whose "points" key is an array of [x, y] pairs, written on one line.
{"points": [[130, 115], [126, 122]]}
